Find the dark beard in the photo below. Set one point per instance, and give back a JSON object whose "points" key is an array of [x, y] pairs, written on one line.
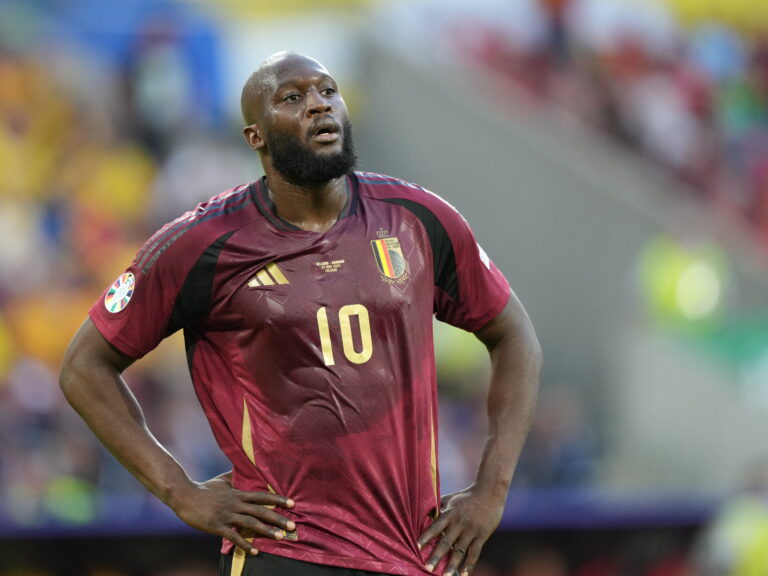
{"points": [[299, 164]]}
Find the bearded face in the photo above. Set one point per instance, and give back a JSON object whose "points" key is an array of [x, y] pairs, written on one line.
{"points": [[299, 163]]}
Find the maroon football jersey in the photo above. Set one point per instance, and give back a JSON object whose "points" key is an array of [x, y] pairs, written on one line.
{"points": [[312, 353]]}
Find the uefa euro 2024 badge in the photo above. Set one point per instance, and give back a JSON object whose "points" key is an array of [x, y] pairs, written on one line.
{"points": [[119, 294]]}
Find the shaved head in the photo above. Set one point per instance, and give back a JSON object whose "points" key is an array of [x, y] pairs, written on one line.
{"points": [[264, 81], [297, 120]]}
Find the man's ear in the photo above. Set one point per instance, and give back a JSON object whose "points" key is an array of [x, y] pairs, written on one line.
{"points": [[253, 137]]}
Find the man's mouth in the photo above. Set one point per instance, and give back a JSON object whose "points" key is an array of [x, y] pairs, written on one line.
{"points": [[326, 132]]}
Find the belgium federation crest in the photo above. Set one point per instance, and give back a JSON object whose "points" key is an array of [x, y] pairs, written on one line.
{"points": [[389, 258]]}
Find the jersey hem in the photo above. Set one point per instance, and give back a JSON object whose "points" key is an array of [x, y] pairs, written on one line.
{"points": [[324, 559], [494, 311], [114, 340]]}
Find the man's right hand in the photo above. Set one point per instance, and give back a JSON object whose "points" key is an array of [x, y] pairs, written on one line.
{"points": [[91, 379], [216, 507]]}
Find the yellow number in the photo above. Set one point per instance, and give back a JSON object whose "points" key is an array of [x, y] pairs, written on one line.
{"points": [[325, 336], [346, 333], [347, 341]]}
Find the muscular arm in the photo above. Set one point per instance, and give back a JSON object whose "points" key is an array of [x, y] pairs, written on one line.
{"points": [[515, 365], [92, 383], [469, 517]]}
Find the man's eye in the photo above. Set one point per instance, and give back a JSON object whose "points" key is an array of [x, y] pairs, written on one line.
{"points": [[328, 92], [292, 98]]}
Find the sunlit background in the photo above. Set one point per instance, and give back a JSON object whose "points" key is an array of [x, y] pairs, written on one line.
{"points": [[612, 157]]}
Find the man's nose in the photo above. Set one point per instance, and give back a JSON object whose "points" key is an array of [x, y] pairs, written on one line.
{"points": [[317, 103]]}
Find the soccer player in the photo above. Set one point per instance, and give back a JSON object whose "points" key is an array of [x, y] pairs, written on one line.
{"points": [[306, 300]]}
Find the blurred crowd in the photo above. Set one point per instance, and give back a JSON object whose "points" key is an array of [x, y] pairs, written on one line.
{"points": [[97, 149], [690, 95]]}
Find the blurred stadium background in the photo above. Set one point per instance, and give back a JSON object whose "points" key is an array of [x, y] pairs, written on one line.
{"points": [[612, 156]]}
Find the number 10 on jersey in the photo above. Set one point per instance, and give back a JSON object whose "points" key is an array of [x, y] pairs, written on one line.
{"points": [[345, 329]]}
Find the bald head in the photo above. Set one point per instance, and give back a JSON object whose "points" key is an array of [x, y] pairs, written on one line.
{"points": [[265, 80], [297, 120]]}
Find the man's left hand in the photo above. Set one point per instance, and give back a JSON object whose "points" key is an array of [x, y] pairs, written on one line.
{"points": [[467, 519]]}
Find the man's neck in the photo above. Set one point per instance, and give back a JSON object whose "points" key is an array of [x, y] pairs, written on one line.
{"points": [[312, 207]]}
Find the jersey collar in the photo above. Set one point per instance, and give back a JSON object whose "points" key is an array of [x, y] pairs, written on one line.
{"points": [[268, 209]]}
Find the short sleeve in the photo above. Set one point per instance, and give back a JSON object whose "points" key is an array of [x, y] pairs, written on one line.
{"points": [[470, 290], [134, 313]]}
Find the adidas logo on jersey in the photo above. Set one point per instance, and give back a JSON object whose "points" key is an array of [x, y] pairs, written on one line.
{"points": [[268, 276]]}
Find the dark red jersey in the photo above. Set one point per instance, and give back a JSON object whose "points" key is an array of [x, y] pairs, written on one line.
{"points": [[312, 354]]}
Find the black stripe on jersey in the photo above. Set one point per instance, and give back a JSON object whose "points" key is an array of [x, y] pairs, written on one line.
{"points": [[167, 235], [194, 299], [443, 256]]}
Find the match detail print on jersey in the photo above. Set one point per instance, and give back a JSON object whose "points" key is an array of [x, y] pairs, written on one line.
{"points": [[389, 257], [119, 294]]}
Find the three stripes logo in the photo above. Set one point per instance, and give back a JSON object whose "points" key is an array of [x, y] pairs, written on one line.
{"points": [[268, 276], [389, 257]]}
